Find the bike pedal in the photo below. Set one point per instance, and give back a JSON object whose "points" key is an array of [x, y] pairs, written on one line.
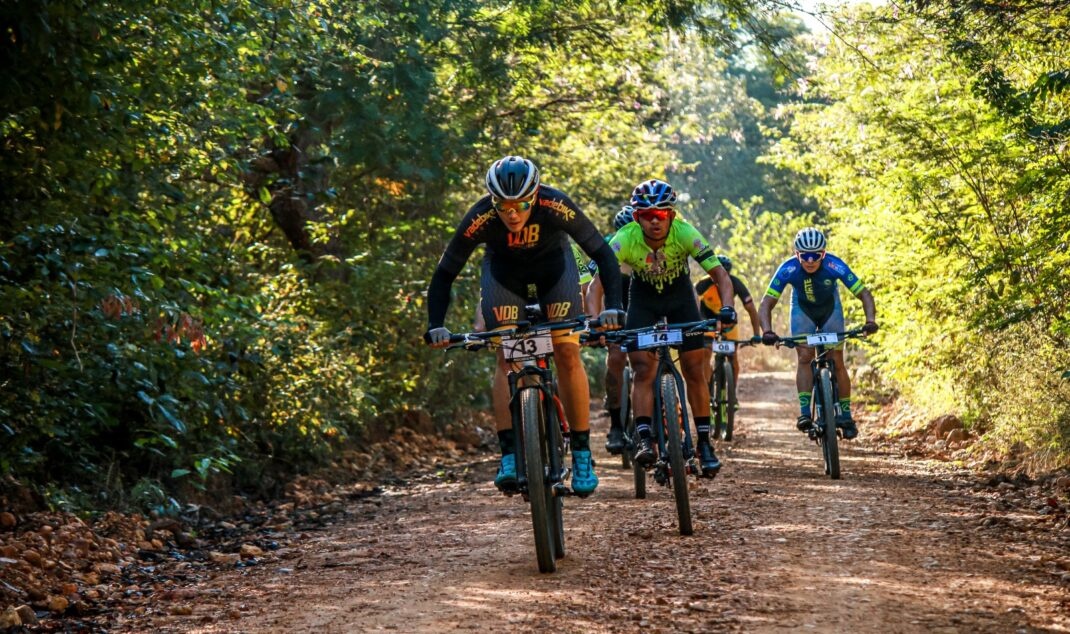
{"points": [[560, 490]]}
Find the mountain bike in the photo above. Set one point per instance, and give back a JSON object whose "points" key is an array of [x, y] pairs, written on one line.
{"points": [[723, 401], [825, 399], [538, 422], [676, 455]]}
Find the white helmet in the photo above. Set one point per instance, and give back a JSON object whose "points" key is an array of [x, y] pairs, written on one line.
{"points": [[512, 178], [810, 240]]}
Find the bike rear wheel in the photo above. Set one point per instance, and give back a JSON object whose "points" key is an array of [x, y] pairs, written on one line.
{"points": [[729, 400], [626, 418], [670, 418], [829, 439], [555, 462], [535, 468]]}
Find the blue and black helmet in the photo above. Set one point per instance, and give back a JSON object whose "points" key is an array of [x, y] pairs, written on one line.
{"points": [[653, 194], [726, 262], [810, 240], [512, 178], [623, 217]]}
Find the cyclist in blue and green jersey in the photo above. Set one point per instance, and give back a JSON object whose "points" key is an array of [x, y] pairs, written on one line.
{"points": [[814, 275], [656, 248]]}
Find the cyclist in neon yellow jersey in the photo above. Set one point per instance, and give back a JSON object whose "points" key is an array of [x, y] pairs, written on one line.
{"points": [[815, 307], [656, 248]]}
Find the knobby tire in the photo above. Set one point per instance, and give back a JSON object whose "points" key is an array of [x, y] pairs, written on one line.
{"points": [[729, 398], [538, 491], [628, 418], [829, 440], [555, 461], [670, 404]]}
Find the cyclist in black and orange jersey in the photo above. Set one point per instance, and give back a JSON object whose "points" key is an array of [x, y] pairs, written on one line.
{"points": [[656, 247], [710, 304], [525, 226]]}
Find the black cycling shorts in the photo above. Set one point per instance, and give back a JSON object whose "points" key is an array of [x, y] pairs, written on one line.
{"points": [[504, 290], [677, 302]]}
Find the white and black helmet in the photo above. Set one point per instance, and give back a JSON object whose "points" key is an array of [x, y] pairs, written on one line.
{"points": [[809, 240], [623, 217], [512, 178]]}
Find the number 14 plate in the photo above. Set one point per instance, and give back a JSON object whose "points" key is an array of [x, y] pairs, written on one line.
{"points": [[527, 347], [657, 338]]}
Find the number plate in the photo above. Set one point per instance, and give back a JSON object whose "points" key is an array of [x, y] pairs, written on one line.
{"points": [[724, 347], [822, 338], [659, 338], [527, 347]]}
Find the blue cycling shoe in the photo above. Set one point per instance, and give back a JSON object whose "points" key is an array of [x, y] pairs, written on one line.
{"points": [[506, 478], [847, 424], [710, 464], [584, 481]]}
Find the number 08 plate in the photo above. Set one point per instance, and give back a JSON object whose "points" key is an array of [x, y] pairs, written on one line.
{"points": [[724, 347], [659, 338], [527, 347]]}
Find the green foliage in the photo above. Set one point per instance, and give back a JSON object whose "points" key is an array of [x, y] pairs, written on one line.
{"points": [[220, 218], [951, 208]]}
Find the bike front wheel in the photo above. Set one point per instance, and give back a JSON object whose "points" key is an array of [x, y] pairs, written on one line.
{"points": [[670, 418], [829, 439], [729, 402], [539, 492]]}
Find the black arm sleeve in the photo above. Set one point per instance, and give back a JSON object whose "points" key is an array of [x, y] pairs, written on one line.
{"points": [[740, 289], [438, 296], [701, 287], [449, 267], [609, 270]]}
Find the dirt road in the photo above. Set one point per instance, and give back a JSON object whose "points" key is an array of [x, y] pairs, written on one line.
{"points": [[897, 546]]}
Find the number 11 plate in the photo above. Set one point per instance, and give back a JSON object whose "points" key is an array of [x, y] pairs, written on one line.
{"points": [[821, 338], [521, 348]]}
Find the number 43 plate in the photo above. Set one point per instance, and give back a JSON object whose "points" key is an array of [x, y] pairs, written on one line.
{"points": [[528, 347], [821, 338], [659, 338]]}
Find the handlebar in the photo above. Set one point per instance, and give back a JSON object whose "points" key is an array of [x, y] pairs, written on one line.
{"points": [[620, 336], [480, 340]]}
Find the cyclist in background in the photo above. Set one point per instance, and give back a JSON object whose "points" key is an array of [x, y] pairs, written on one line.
{"points": [[815, 307], [710, 304], [656, 247], [525, 226], [616, 358]]}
